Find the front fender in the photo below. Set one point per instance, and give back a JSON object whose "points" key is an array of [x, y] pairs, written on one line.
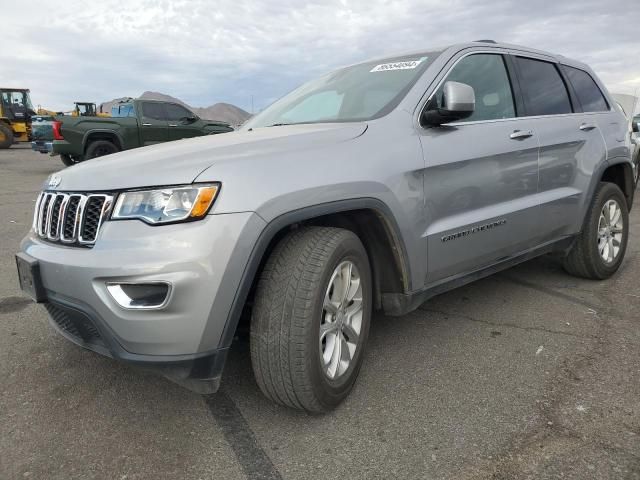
{"points": [[254, 241]]}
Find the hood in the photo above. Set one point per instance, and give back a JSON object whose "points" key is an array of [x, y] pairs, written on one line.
{"points": [[180, 162]]}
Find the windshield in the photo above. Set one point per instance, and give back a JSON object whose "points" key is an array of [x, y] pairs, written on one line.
{"points": [[360, 92], [18, 98]]}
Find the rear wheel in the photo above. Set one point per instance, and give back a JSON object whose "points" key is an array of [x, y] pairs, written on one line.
{"points": [[6, 136], [599, 249], [310, 320], [100, 148]]}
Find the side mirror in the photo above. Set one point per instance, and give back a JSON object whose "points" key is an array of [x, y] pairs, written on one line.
{"points": [[188, 120], [458, 102], [634, 127]]}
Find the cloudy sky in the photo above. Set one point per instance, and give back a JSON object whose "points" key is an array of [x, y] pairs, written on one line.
{"points": [[205, 52]]}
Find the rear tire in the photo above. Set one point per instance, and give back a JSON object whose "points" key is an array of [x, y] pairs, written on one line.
{"points": [[100, 148], [68, 160], [599, 249], [6, 136], [310, 319]]}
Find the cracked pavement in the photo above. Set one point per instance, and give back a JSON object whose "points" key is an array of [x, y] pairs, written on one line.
{"points": [[527, 374]]}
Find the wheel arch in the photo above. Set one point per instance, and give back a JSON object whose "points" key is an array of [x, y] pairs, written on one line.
{"points": [[616, 170], [102, 134], [370, 218], [620, 172]]}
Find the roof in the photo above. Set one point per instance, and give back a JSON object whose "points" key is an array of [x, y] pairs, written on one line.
{"points": [[485, 44]]}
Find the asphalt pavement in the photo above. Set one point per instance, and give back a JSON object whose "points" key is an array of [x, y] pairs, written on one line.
{"points": [[528, 374]]}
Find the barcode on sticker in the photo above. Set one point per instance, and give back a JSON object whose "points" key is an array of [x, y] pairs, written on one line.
{"points": [[407, 65]]}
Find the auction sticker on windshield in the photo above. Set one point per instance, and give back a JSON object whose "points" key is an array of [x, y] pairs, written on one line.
{"points": [[406, 65]]}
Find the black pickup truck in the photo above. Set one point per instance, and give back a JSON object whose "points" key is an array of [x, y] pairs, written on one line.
{"points": [[133, 124]]}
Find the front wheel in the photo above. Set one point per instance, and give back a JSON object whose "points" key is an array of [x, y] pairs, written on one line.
{"points": [[599, 249], [6, 136], [311, 317]]}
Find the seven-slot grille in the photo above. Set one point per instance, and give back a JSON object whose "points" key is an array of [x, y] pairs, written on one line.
{"points": [[71, 218]]}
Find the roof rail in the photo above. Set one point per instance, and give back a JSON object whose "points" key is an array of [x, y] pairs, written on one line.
{"points": [[486, 41]]}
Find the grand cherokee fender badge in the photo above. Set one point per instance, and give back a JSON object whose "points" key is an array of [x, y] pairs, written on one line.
{"points": [[472, 230], [54, 181]]}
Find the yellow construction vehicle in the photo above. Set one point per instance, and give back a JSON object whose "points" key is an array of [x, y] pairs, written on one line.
{"points": [[16, 110], [87, 109]]}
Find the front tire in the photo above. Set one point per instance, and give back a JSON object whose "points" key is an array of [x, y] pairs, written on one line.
{"points": [[599, 249], [6, 136], [311, 317]]}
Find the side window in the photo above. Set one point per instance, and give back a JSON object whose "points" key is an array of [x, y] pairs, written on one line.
{"points": [[153, 110], [543, 88], [587, 90], [487, 74], [176, 112]]}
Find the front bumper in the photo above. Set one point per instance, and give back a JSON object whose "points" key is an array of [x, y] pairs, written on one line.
{"points": [[203, 261], [42, 146], [80, 324]]}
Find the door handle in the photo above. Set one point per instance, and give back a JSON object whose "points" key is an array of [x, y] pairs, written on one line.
{"points": [[172, 125], [585, 127], [521, 134], [147, 124]]}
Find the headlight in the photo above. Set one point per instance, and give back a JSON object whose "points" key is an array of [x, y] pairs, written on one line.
{"points": [[166, 205]]}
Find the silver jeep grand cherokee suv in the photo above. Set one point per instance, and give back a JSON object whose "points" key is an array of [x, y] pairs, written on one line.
{"points": [[375, 186]]}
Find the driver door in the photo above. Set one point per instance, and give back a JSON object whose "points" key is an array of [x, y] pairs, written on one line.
{"points": [[182, 122], [481, 176]]}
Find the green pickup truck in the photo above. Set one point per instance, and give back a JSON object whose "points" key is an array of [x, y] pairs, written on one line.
{"points": [[133, 124]]}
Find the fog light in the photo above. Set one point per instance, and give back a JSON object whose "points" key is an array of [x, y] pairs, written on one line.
{"points": [[140, 295]]}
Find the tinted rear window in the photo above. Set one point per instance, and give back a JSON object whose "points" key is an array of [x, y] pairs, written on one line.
{"points": [[543, 88], [589, 95]]}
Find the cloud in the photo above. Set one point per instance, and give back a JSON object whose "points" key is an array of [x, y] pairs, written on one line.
{"points": [[205, 52]]}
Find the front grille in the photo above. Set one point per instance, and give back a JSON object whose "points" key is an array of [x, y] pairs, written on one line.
{"points": [[71, 218], [92, 217], [75, 324]]}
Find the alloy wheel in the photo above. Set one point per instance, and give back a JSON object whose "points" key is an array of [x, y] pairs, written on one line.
{"points": [[341, 322], [610, 230]]}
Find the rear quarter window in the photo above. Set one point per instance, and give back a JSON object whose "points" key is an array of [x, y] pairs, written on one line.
{"points": [[589, 94]]}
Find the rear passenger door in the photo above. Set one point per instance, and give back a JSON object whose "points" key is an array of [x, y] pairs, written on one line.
{"points": [[481, 174], [154, 127], [571, 145]]}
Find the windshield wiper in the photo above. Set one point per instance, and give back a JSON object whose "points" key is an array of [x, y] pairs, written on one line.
{"points": [[280, 124]]}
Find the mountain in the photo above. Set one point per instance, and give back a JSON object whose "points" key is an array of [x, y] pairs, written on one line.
{"points": [[220, 111], [223, 111]]}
